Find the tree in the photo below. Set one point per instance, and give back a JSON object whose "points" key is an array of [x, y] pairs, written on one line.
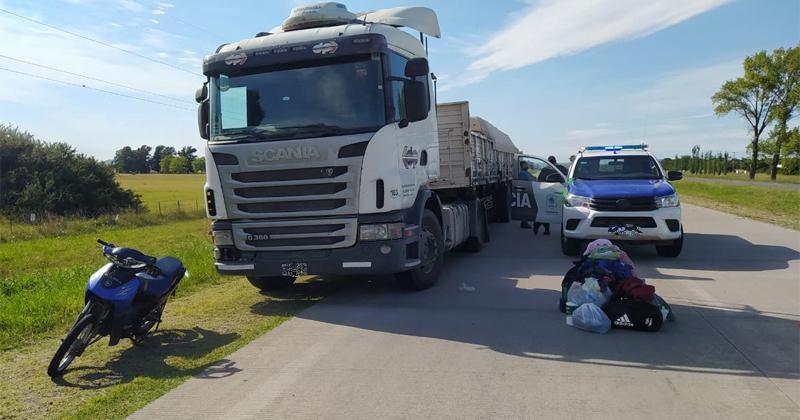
{"points": [[752, 96], [123, 159], [165, 164], [159, 152], [128, 160], [179, 165], [188, 153], [199, 165], [51, 178], [786, 69]]}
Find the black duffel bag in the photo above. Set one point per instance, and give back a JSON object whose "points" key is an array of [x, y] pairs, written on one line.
{"points": [[633, 314]]}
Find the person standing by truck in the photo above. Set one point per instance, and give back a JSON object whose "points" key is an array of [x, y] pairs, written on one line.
{"points": [[546, 172], [525, 175]]}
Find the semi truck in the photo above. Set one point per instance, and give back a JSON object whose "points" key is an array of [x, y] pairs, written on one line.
{"points": [[327, 154]]}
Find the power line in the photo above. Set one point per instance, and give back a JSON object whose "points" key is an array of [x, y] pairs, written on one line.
{"points": [[106, 44], [95, 89], [93, 78]]}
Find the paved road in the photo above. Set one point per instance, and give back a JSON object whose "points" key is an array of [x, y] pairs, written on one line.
{"points": [[503, 350], [775, 185]]}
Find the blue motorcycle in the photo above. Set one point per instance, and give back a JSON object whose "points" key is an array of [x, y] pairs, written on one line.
{"points": [[124, 299]]}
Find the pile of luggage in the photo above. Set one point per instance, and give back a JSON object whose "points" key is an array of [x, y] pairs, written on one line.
{"points": [[603, 291]]}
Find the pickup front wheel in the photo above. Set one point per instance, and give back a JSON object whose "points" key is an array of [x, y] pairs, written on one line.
{"points": [[267, 283], [431, 253], [569, 246], [672, 250]]}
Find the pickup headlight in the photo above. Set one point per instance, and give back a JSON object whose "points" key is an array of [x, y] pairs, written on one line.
{"points": [[380, 232], [577, 201], [668, 201]]}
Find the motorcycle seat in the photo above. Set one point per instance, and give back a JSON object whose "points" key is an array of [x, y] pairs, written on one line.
{"points": [[169, 267]]}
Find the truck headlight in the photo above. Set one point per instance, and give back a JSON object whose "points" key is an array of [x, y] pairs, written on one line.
{"points": [[577, 201], [222, 237], [668, 201], [380, 232]]}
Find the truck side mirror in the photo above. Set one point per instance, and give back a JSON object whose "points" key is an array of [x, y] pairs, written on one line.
{"points": [[201, 94], [416, 100], [202, 118], [674, 175], [416, 67]]}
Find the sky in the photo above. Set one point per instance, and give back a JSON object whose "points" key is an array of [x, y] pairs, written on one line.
{"points": [[554, 74]]}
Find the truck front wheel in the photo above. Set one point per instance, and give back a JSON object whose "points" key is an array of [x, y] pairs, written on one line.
{"points": [[431, 254], [267, 283]]}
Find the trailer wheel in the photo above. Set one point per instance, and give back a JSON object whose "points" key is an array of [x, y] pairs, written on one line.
{"points": [[502, 204], [431, 254], [267, 283]]}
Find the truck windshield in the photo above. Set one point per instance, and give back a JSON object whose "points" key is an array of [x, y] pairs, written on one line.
{"points": [[617, 167], [341, 97]]}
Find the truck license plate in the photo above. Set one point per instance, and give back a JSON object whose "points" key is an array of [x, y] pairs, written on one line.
{"points": [[294, 269]]}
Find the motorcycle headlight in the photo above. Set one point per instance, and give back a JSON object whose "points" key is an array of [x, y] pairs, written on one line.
{"points": [[668, 201], [577, 201]]}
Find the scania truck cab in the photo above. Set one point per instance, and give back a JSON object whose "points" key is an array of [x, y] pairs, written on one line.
{"points": [[323, 146]]}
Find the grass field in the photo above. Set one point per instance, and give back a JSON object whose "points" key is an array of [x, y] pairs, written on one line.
{"points": [[41, 293], [781, 179], [781, 207], [167, 191], [167, 198]]}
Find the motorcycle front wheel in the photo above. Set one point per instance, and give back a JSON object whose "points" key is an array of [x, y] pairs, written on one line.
{"points": [[73, 345]]}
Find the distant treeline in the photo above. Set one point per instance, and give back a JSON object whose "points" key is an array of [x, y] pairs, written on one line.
{"points": [[164, 159], [53, 179], [719, 163]]}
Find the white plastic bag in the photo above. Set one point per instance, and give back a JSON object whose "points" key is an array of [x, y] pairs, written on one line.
{"points": [[590, 317]]}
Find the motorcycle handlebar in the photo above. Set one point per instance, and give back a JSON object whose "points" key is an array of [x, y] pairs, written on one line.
{"points": [[104, 243]]}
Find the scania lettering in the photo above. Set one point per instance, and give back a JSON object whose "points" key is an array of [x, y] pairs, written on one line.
{"points": [[327, 154]]}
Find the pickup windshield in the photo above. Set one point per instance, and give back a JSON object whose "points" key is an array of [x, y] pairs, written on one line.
{"points": [[617, 167], [340, 97]]}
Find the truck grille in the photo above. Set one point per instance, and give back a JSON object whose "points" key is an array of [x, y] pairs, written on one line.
{"points": [[295, 234], [623, 204], [292, 192]]}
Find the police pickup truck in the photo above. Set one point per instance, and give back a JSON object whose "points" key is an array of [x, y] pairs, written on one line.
{"points": [[613, 192], [621, 193]]}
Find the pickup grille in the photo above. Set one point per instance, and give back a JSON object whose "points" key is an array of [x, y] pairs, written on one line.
{"points": [[645, 222], [623, 204]]}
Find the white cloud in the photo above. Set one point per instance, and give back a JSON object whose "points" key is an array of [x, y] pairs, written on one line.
{"points": [[154, 21], [158, 12], [553, 28]]}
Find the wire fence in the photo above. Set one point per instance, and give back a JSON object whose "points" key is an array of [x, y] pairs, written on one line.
{"points": [[47, 226]]}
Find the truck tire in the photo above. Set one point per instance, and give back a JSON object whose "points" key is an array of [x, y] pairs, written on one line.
{"points": [[673, 250], [502, 204], [267, 283], [431, 253], [569, 246]]}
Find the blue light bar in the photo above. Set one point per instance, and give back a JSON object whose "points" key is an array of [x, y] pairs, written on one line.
{"points": [[616, 148]]}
